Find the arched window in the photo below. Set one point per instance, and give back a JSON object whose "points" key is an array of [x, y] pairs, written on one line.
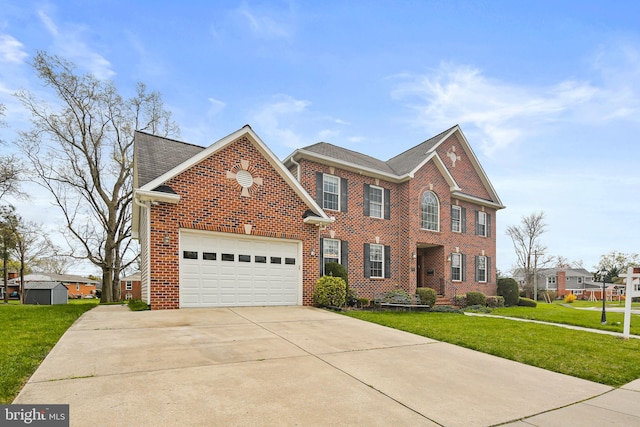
{"points": [[430, 211]]}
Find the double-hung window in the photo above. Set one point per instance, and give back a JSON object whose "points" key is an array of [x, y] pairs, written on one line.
{"points": [[456, 267], [376, 202], [376, 260], [456, 219], [128, 285], [482, 224], [481, 268], [430, 211], [331, 192], [330, 251]]}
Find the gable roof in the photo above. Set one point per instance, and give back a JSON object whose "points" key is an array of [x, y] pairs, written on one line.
{"points": [[403, 166], [43, 285], [154, 155], [54, 277], [158, 159]]}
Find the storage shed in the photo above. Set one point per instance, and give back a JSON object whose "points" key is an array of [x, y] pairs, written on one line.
{"points": [[45, 293]]}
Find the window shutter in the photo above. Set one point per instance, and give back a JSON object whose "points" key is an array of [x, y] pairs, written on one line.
{"points": [[367, 261], [321, 257], [488, 269], [343, 195], [387, 262], [488, 225], [463, 267], [477, 223], [477, 261], [463, 225], [451, 266], [344, 254], [319, 189], [366, 199], [387, 203]]}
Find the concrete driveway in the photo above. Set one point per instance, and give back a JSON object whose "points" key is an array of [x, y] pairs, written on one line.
{"points": [[297, 366]]}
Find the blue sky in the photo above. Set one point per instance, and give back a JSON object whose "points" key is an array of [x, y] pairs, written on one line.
{"points": [[547, 92]]}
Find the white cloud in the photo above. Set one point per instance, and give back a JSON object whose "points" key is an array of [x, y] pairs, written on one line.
{"points": [[69, 41], [502, 112], [215, 106], [270, 119], [266, 24], [11, 50], [48, 23]]}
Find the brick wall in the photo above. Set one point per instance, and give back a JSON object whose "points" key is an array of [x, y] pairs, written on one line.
{"points": [[210, 201], [403, 230]]}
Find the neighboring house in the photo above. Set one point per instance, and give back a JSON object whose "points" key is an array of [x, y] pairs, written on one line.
{"points": [[563, 281], [231, 225], [130, 287], [45, 293], [78, 286]]}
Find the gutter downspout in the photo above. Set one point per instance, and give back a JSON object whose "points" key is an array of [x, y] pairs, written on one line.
{"points": [[297, 168]]}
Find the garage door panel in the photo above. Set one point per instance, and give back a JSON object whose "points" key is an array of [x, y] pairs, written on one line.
{"points": [[220, 270]]}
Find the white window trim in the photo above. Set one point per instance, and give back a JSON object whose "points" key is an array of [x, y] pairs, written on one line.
{"points": [[437, 229], [459, 222], [551, 280], [459, 258], [381, 201], [482, 220], [371, 261], [323, 191], [485, 268], [128, 286], [324, 259]]}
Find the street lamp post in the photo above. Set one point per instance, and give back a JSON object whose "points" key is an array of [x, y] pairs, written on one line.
{"points": [[603, 277]]}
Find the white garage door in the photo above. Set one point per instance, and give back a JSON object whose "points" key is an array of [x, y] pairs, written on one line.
{"points": [[221, 270]]}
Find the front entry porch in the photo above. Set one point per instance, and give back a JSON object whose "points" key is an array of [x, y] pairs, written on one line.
{"points": [[430, 267]]}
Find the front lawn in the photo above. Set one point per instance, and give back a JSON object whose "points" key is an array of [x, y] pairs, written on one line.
{"points": [[577, 316], [594, 357], [29, 332]]}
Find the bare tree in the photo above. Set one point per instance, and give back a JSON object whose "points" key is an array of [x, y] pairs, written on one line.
{"points": [[82, 153], [54, 263], [8, 221], [9, 170], [31, 245], [529, 249], [616, 262]]}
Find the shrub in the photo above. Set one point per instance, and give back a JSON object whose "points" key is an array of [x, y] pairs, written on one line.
{"points": [[137, 305], [336, 270], [476, 298], [527, 302], [363, 302], [330, 292], [508, 288], [495, 301], [569, 298], [477, 309], [427, 296], [459, 300], [352, 297]]}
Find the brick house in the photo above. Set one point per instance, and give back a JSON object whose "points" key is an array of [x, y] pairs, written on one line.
{"points": [[231, 224], [130, 287]]}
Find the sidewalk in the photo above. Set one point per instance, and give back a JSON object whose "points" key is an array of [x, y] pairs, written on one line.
{"points": [[560, 325]]}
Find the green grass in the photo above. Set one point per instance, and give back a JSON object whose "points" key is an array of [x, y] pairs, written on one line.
{"points": [[558, 313], [28, 334], [594, 357]]}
